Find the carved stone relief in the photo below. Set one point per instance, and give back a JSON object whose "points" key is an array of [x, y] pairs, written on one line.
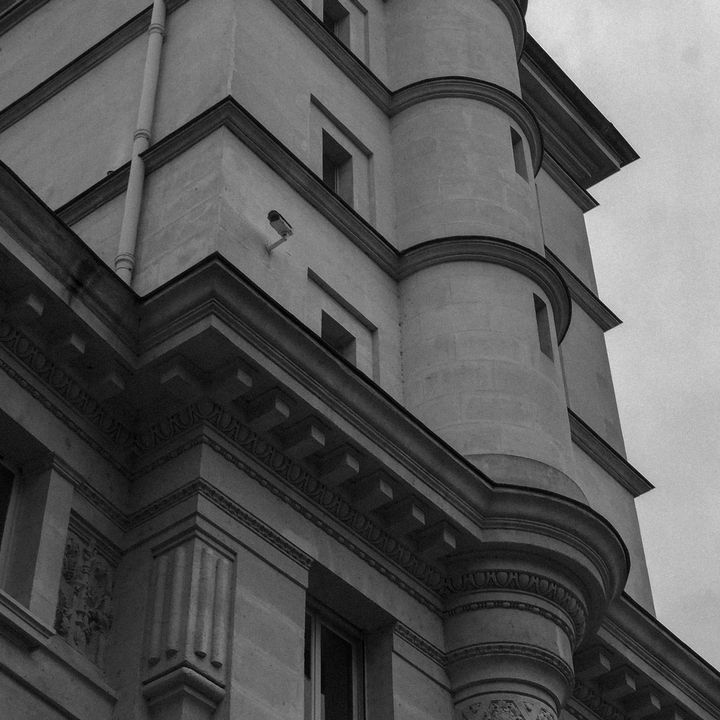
{"points": [[84, 611], [506, 708]]}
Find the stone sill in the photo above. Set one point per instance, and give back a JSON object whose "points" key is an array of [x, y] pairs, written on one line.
{"points": [[20, 625]]}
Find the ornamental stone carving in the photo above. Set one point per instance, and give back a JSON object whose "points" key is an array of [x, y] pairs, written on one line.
{"points": [[499, 707], [84, 613]]}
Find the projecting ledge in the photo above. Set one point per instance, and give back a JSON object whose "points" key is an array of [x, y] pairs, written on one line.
{"points": [[20, 625], [183, 692]]}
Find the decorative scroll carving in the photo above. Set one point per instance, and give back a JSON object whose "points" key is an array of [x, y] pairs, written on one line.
{"points": [[84, 610], [532, 583], [189, 620], [506, 708]]}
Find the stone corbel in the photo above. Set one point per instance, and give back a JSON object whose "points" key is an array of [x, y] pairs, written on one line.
{"points": [[185, 662]]}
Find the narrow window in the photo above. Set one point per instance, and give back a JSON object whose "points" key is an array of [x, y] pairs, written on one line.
{"points": [[331, 671], [337, 20], [337, 337], [518, 154], [337, 168], [6, 485], [543, 327]]}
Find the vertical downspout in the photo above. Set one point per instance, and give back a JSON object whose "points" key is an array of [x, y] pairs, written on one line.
{"points": [[125, 258]]}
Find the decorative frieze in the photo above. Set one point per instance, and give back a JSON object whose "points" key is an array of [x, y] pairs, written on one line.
{"points": [[34, 359], [501, 707], [526, 582], [293, 473], [84, 612]]}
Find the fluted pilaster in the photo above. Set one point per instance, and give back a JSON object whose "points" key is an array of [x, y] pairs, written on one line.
{"points": [[189, 623]]}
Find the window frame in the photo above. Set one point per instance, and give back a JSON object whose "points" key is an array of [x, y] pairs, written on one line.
{"points": [[338, 171], [336, 19], [7, 523], [320, 616]]}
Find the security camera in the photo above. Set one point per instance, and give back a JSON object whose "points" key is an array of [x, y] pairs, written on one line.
{"points": [[281, 226]]}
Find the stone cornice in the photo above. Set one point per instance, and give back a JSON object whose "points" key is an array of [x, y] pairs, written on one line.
{"points": [[499, 252], [607, 457], [201, 488], [582, 198], [472, 89], [57, 82], [286, 343], [17, 12], [230, 115], [605, 318], [26, 352], [585, 144], [83, 276], [631, 630]]}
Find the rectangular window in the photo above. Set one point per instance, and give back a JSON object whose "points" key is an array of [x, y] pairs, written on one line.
{"points": [[339, 339], [6, 486], [543, 327], [337, 168], [337, 20], [332, 671], [518, 154]]}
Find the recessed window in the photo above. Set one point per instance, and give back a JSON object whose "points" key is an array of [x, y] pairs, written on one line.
{"points": [[332, 671], [337, 20], [6, 486], [337, 337], [337, 168], [518, 154], [543, 327]]}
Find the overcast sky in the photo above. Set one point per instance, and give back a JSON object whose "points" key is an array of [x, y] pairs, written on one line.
{"points": [[651, 66]]}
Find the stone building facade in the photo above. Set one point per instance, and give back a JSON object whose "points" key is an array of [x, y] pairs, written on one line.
{"points": [[306, 411]]}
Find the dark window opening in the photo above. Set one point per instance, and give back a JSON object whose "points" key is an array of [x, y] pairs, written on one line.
{"points": [[337, 168], [337, 20], [331, 669], [6, 486], [518, 154], [339, 339], [543, 327]]}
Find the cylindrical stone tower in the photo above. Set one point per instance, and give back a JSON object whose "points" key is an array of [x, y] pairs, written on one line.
{"points": [[482, 309], [482, 315]]}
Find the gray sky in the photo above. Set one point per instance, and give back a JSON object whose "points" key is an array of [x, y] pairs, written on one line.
{"points": [[651, 66]]}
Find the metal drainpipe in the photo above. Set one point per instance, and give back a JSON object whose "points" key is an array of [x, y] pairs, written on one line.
{"points": [[125, 258]]}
